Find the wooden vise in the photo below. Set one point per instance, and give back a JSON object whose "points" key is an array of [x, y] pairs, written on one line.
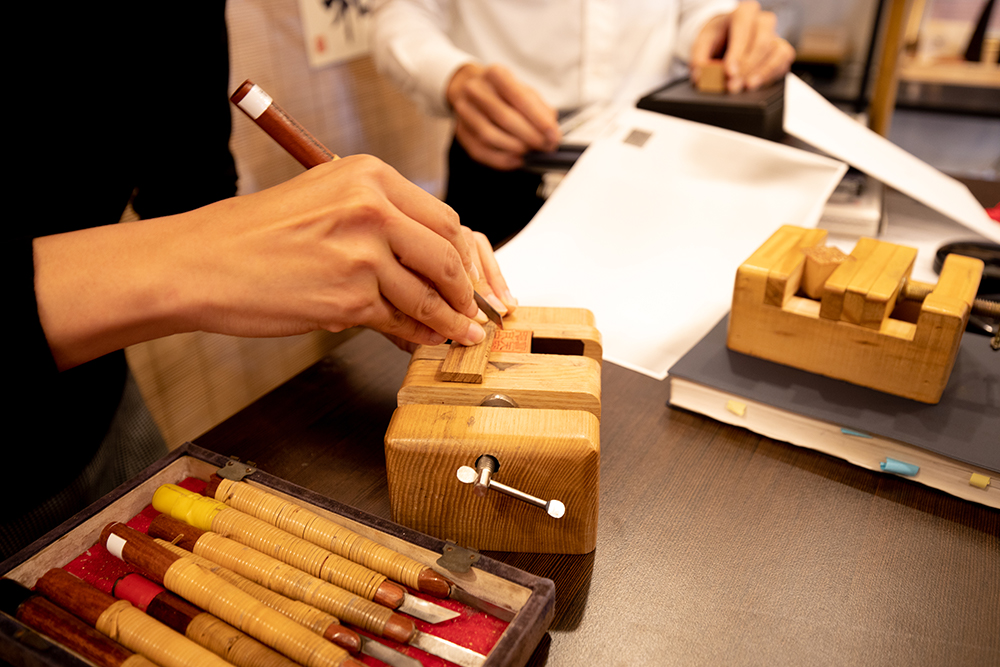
{"points": [[846, 317], [529, 398]]}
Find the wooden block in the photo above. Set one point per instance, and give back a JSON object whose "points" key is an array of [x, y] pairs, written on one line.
{"points": [[567, 382], [913, 360], [835, 287], [785, 275], [821, 262], [862, 281], [467, 363], [713, 77], [881, 298]]}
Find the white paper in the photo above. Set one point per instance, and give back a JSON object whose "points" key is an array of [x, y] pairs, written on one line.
{"points": [[811, 118], [649, 238]]}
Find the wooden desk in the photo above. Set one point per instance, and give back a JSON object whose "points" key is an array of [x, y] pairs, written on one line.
{"points": [[715, 545]]}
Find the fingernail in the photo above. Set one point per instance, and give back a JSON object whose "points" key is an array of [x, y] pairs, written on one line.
{"points": [[436, 339], [509, 298], [497, 304], [474, 274], [481, 317], [475, 335]]}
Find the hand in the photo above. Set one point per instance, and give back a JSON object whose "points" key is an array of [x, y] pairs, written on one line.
{"points": [[499, 119], [754, 53], [347, 243]]}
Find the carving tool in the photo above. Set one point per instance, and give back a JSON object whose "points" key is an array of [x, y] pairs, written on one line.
{"points": [[189, 580], [323, 532], [53, 621], [303, 146], [123, 623], [200, 627], [291, 582], [210, 514]]}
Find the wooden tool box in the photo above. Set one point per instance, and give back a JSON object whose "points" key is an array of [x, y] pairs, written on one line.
{"points": [[547, 363], [857, 328], [531, 597]]}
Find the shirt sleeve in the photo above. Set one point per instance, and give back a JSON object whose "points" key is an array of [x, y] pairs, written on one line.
{"points": [[694, 15], [412, 48]]}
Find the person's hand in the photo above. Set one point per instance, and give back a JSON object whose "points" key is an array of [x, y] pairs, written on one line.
{"points": [[347, 243], [491, 284], [754, 53], [498, 118]]}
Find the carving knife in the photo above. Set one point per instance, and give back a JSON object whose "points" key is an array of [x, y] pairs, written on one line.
{"points": [[258, 105]]}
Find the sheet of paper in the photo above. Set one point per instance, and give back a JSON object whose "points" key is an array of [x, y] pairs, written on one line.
{"points": [[648, 228], [811, 118]]}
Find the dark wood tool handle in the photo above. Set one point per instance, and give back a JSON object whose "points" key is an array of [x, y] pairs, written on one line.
{"points": [[169, 529], [138, 549], [74, 595], [51, 620], [281, 127], [152, 598]]}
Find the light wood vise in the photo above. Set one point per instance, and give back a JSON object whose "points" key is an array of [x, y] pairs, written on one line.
{"points": [[797, 303], [519, 413]]}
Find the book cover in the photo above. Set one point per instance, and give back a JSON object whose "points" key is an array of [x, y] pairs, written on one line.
{"points": [[950, 442]]}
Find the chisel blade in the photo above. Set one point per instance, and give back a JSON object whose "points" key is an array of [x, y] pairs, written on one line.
{"points": [[450, 651], [491, 313], [424, 610], [389, 656], [466, 598]]}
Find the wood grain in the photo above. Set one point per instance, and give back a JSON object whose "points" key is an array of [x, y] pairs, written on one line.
{"points": [[863, 345], [467, 363]]}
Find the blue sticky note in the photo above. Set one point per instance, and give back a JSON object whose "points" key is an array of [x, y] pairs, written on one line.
{"points": [[858, 434], [898, 467]]}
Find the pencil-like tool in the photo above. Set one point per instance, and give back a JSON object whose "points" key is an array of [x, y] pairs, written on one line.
{"points": [[304, 147], [289, 581]]}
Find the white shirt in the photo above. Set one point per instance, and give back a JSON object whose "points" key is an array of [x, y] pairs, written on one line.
{"points": [[572, 52]]}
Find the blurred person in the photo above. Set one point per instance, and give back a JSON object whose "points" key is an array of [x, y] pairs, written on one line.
{"points": [[507, 69]]}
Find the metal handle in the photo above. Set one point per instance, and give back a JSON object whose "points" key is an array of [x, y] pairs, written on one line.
{"points": [[482, 478]]}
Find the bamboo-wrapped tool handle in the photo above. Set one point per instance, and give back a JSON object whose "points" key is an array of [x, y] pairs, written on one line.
{"points": [[122, 622], [210, 514], [51, 620], [285, 579], [258, 105], [321, 531], [199, 626], [201, 587]]}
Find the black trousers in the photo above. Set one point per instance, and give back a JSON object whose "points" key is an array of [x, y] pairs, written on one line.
{"points": [[496, 203]]}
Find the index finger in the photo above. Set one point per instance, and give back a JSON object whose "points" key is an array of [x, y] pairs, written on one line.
{"points": [[741, 29]]}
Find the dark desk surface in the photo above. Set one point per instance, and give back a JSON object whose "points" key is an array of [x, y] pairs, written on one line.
{"points": [[715, 545]]}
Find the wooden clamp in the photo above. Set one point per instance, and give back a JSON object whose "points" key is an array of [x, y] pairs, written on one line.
{"points": [[795, 305]]}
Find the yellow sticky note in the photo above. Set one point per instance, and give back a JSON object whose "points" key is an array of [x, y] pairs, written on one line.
{"points": [[979, 481], [737, 408]]}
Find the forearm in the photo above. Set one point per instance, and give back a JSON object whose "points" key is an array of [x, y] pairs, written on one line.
{"points": [[105, 288]]}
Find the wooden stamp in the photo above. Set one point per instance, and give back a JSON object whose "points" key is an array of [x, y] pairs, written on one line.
{"points": [[712, 78], [848, 327], [547, 363]]}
